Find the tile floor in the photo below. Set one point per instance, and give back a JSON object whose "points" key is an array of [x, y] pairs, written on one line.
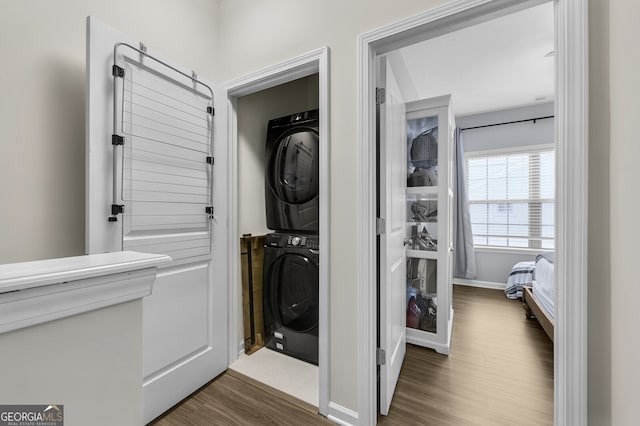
{"points": [[287, 374]]}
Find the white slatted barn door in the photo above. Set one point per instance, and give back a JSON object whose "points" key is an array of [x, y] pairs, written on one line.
{"points": [[163, 179]]}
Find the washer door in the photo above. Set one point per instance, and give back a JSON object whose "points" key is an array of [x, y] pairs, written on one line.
{"points": [[294, 301], [292, 170]]}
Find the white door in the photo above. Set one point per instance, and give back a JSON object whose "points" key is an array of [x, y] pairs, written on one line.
{"points": [[163, 176], [392, 212]]}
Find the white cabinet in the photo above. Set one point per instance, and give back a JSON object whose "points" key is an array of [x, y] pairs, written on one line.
{"points": [[428, 234]]}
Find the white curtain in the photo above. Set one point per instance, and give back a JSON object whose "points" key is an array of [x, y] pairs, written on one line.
{"points": [[464, 259]]}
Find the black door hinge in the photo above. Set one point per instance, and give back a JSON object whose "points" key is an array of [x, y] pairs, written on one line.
{"points": [[211, 110], [117, 209], [117, 71], [210, 160], [117, 140], [381, 95], [209, 210]]}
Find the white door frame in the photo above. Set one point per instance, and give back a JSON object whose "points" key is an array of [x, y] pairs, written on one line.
{"points": [[570, 358], [316, 61]]}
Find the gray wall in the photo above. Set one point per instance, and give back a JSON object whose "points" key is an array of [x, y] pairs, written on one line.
{"points": [[494, 266], [510, 135], [83, 362], [601, 168], [42, 107], [624, 207]]}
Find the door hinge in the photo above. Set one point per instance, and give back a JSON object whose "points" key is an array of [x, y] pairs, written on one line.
{"points": [[117, 140], [208, 210], [381, 95], [117, 209], [210, 160], [211, 110], [380, 226], [381, 356], [117, 71]]}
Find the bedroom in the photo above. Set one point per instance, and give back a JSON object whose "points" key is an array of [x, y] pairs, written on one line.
{"points": [[500, 75]]}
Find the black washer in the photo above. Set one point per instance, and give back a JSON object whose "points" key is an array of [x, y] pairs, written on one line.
{"points": [[291, 295]]}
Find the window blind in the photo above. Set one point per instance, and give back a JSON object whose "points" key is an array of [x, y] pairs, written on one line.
{"points": [[512, 199]]}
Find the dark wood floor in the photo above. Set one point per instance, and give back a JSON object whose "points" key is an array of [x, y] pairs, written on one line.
{"points": [[235, 399], [500, 372]]}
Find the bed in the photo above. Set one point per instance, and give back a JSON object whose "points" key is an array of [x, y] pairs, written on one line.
{"points": [[538, 298]]}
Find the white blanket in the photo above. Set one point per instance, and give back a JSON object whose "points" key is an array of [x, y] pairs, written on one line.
{"points": [[544, 283]]}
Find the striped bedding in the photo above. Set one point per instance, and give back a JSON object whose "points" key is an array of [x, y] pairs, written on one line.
{"points": [[521, 274]]}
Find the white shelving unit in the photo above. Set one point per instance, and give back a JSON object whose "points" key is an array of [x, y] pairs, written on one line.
{"points": [[429, 231]]}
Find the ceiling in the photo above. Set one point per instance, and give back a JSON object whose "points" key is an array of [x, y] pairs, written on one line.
{"points": [[494, 65]]}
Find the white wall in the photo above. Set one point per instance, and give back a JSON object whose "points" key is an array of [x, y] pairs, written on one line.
{"points": [[274, 31], [82, 362], [625, 205], [495, 266], [254, 112], [42, 107]]}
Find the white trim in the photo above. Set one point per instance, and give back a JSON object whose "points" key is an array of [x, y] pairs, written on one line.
{"points": [[510, 150], [511, 250], [46, 290], [23, 275], [572, 88], [316, 61], [366, 252], [479, 284], [571, 124], [341, 415], [38, 305]]}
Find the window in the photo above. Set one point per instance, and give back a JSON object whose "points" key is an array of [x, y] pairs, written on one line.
{"points": [[512, 198]]}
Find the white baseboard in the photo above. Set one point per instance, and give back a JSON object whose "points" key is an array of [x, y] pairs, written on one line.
{"points": [[341, 415], [481, 284]]}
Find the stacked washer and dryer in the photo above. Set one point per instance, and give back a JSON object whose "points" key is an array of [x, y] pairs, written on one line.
{"points": [[291, 283]]}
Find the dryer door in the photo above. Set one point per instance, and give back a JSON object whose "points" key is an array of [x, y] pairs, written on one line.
{"points": [[295, 297], [291, 181], [292, 172]]}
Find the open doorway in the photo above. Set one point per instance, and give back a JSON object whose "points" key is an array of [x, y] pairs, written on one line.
{"points": [[265, 118], [309, 71], [570, 137]]}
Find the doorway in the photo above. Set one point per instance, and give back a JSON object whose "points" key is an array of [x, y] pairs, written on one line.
{"points": [[570, 363], [312, 63]]}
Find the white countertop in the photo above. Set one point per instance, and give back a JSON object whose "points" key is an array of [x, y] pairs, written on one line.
{"points": [[24, 275]]}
